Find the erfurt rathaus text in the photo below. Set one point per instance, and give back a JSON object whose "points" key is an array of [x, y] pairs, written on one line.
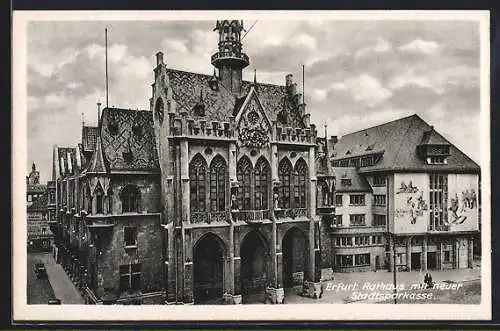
{"points": [[223, 189]]}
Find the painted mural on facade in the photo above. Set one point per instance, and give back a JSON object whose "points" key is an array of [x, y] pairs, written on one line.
{"points": [[463, 207], [410, 203]]}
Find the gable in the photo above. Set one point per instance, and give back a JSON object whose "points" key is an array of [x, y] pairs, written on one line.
{"points": [[252, 124]]}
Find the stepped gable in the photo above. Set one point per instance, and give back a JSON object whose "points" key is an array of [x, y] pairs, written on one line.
{"points": [[128, 140], [398, 140], [356, 184], [220, 103]]}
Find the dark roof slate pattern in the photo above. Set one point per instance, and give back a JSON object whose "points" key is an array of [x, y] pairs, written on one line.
{"points": [[141, 144], [358, 183], [399, 139]]}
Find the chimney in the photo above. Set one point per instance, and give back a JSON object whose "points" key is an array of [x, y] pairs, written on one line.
{"points": [[288, 80], [334, 139], [159, 58], [98, 114]]}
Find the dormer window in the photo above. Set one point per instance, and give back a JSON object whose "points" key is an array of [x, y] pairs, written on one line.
{"points": [[346, 181], [433, 148], [436, 160]]}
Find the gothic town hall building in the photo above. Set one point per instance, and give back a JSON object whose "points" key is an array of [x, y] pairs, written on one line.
{"points": [[221, 187]]}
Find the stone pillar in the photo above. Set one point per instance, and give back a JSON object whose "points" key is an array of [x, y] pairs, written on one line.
{"points": [[171, 280], [312, 214], [188, 267], [456, 260], [237, 262], [408, 253], [274, 244], [232, 162], [279, 267], [274, 163], [424, 254], [230, 282], [184, 167]]}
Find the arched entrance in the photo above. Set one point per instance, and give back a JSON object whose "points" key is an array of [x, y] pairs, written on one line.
{"points": [[208, 256], [254, 263], [295, 257]]}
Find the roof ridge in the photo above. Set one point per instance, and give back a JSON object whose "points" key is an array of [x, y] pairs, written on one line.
{"points": [[379, 125]]}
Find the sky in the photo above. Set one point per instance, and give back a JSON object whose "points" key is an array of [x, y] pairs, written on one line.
{"points": [[357, 73]]}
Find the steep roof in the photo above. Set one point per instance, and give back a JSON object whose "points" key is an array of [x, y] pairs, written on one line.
{"points": [[357, 183], [119, 141], [221, 103], [398, 140]]}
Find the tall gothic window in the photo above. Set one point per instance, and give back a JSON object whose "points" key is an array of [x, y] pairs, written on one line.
{"points": [[110, 200], [130, 197], [99, 196], [159, 109], [284, 173], [218, 174], [300, 175], [261, 187], [244, 175], [197, 182]]}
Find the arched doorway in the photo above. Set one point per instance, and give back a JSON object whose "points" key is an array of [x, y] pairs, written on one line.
{"points": [[295, 257], [254, 263], [208, 270]]}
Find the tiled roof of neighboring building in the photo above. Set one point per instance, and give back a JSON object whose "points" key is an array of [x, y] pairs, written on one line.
{"points": [[39, 204], [354, 183], [220, 104], [128, 140], [399, 140]]}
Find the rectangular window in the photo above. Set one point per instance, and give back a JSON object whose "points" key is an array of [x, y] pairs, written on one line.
{"points": [[379, 220], [337, 241], [357, 220], [338, 199], [438, 201], [362, 259], [344, 241], [130, 235], [379, 200], [349, 241], [379, 180], [130, 277], [343, 260], [357, 199], [357, 241], [338, 220], [401, 259]]}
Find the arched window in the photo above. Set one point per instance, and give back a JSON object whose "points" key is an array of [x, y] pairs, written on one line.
{"points": [[218, 174], [261, 187], [300, 178], [284, 174], [110, 201], [244, 174], [130, 197], [197, 183], [99, 196]]}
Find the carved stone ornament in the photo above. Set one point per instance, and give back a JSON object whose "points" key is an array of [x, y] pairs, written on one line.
{"points": [[254, 128]]}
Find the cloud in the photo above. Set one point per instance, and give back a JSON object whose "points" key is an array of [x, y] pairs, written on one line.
{"points": [[421, 46], [368, 89]]}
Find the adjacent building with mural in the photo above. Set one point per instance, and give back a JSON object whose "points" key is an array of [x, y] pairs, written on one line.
{"points": [[425, 190], [211, 193]]}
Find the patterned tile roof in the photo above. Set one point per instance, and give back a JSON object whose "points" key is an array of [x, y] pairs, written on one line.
{"points": [[128, 140], [221, 103], [399, 140]]}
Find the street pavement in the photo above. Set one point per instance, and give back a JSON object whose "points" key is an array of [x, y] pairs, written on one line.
{"points": [[38, 291], [62, 286]]}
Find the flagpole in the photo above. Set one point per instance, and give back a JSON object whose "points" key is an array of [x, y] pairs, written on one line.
{"points": [[106, 52]]}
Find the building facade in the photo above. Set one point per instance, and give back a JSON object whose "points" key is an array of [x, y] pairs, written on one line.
{"points": [[39, 235], [211, 191], [425, 192]]}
